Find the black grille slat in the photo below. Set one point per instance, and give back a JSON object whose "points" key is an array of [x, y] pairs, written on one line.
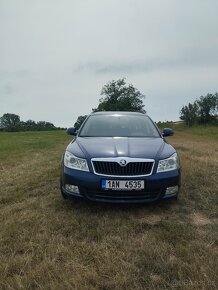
{"points": [[104, 167], [141, 167], [114, 168], [138, 167]]}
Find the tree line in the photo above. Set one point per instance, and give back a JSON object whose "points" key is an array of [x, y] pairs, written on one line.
{"points": [[12, 123], [202, 111]]}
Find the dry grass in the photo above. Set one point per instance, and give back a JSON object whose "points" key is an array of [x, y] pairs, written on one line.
{"points": [[49, 243]]}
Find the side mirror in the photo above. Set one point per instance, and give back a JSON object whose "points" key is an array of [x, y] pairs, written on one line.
{"points": [[167, 132], [71, 131]]}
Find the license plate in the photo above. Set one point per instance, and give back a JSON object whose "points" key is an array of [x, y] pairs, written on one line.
{"points": [[123, 184]]}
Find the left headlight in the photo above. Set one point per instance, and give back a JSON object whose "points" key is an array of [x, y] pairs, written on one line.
{"points": [[74, 162], [168, 164]]}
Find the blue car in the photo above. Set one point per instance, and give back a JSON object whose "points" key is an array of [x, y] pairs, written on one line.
{"points": [[120, 157]]}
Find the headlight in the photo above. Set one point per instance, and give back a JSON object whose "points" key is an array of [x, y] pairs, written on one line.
{"points": [[168, 164], [74, 162]]}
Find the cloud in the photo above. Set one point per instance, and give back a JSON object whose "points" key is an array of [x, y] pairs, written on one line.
{"points": [[146, 66], [9, 89]]}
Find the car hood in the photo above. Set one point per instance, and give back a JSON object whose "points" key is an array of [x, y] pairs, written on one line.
{"points": [[90, 147]]}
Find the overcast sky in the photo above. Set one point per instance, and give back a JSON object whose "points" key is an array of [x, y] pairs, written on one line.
{"points": [[56, 55]]}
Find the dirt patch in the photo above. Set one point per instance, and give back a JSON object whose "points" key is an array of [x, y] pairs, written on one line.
{"points": [[152, 219], [199, 219]]}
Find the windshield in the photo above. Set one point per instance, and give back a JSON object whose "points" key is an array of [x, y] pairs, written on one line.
{"points": [[119, 126]]}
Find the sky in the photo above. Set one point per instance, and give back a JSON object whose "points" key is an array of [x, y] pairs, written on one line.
{"points": [[56, 55]]}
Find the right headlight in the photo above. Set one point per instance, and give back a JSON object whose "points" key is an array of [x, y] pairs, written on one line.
{"points": [[168, 164], [71, 161]]}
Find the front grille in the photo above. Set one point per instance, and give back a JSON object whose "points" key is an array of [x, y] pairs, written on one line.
{"points": [[114, 168]]}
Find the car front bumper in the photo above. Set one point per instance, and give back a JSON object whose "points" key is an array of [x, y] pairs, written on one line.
{"points": [[157, 186]]}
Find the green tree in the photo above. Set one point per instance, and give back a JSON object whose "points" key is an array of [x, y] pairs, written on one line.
{"points": [[10, 122], [44, 126], [30, 125], [79, 121], [189, 113], [208, 108], [118, 96]]}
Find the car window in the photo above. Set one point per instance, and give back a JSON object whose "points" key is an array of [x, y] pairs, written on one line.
{"points": [[119, 126]]}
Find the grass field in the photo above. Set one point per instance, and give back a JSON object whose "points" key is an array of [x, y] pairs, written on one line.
{"points": [[49, 243]]}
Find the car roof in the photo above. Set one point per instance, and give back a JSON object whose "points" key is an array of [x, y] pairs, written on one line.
{"points": [[118, 113]]}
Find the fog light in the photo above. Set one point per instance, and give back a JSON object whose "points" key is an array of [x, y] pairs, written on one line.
{"points": [[172, 190], [72, 188]]}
